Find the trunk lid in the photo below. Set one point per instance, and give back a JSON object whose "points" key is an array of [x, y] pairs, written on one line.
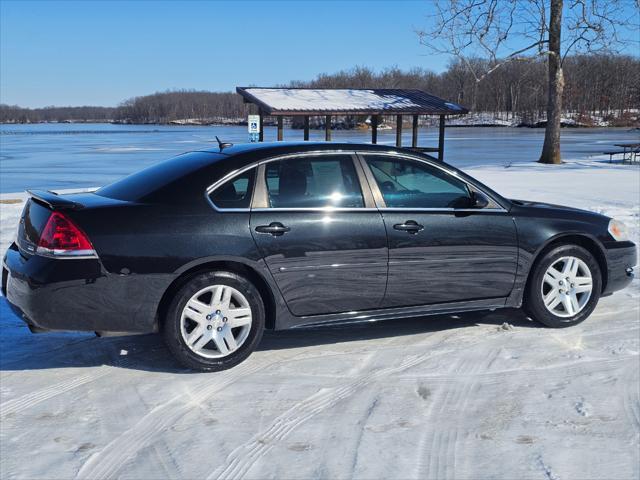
{"points": [[42, 203]]}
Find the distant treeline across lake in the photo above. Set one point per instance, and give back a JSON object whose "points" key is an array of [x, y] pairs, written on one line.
{"points": [[599, 90]]}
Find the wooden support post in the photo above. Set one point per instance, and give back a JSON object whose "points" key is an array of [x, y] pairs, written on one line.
{"points": [[398, 131], [374, 129], [327, 128], [280, 129], [306, 128], [414, 133], [441, 140], [261, 134]]}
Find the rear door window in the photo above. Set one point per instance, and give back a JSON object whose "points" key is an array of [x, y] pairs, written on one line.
{"points": [[323, 181]]}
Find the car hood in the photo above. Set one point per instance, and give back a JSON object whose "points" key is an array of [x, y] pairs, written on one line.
{"points": [[560, 211]]}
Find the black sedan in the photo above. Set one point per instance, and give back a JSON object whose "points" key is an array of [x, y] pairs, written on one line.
{"points": [[212, 247]]}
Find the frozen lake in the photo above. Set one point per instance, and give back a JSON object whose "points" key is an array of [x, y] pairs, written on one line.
{"points": [[56, 156]]}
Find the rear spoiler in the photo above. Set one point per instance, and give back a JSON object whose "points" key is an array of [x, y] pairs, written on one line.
{"points": [[53, 200]]}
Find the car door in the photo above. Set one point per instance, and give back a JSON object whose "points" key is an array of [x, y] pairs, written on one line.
{"points": [[320, 233], [441, 248]]}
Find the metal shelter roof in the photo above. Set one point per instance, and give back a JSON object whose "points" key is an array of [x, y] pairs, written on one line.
{"points": [[347, 101]]}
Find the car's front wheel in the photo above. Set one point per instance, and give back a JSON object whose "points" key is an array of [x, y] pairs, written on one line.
{"points": [[215, 321], [564, 288]]}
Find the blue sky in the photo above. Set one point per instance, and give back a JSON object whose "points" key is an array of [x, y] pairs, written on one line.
{"points": [[100, 53]]}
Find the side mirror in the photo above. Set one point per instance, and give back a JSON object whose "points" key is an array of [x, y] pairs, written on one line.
{"points": [[479, 200]]}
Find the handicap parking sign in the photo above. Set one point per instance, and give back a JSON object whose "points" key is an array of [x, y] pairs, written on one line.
{"points": [[254, 128]]}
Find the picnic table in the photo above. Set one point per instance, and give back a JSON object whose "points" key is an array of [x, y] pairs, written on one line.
{"points": [[633, 149]]}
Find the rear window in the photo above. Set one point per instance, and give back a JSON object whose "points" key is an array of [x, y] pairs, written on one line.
{"points": [[143, 183]]}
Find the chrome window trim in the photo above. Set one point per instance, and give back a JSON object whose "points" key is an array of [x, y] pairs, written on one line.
{"points": [[315, 209], [408, 156], [444, 209]]}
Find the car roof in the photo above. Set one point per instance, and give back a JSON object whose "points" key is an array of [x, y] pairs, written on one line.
{"points": [[238, 156], [188, 175], [191, 172]]}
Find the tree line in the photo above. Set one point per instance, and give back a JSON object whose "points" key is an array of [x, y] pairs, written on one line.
{"points": [[596, 87], [16, 114]]}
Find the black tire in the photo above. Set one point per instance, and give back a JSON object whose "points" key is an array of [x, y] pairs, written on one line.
{"points": [[533, 301], [171, 327]]}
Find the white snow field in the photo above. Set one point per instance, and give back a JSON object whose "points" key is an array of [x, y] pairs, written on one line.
{"points": [[475, 396]]}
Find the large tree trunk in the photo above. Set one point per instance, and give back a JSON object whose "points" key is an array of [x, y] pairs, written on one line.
{"points": [[551, 147]]}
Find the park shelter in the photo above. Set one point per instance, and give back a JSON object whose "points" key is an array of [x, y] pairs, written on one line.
{"points": [[373, 102]]}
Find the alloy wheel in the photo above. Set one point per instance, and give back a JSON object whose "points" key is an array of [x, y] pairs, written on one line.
{"points": [[216, 321], [566, 286]]}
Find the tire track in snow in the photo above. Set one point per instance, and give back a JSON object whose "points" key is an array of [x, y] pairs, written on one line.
{"points": [[165, 457], [435, 464], [107, 462], [32, 399], [443, 444], [245, 456], [434, 398], [631, 402], [441, 454], [436, 447], [572, 368], [462, 404]]}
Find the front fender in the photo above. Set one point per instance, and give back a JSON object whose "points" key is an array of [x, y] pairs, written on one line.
{"points": [[535, 236]]}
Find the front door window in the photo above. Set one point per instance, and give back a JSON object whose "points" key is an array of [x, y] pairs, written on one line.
{"points": [[408, 184]]}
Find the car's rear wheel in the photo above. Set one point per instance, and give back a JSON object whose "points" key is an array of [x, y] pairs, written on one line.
{"points": [[214, 321], [564, 288]]}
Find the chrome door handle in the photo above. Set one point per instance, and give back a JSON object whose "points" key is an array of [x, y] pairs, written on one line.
{"points": [[410, 226], [274, 228]]}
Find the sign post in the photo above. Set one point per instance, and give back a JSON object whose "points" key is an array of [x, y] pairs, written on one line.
{"points": [[254, 128]]}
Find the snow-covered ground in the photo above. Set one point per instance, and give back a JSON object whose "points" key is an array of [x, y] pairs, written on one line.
{"points": [[459, 397]]}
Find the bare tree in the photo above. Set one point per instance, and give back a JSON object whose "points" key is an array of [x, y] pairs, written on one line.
{"points": [[506, 31]]}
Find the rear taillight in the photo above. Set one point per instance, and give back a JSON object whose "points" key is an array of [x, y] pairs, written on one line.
{"points": [[63, 238]]}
